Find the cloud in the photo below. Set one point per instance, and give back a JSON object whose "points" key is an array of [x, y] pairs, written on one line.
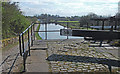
{"points": [[69, 7]]}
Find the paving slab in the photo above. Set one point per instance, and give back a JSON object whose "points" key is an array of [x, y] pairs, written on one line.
{"points": [[37, 61], [81, 57], [70, 56]]}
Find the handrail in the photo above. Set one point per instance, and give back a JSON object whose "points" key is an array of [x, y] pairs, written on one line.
{"points": [[25, 50], [27, 29]]}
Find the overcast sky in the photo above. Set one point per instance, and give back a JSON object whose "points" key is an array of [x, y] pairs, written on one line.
{"points": [[68, 7]]}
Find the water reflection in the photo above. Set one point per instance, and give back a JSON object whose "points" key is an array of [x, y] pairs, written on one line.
{"points": [[53, 35]]}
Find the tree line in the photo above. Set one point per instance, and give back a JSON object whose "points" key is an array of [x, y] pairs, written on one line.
{"points": [[13, 20], [86, 19]]}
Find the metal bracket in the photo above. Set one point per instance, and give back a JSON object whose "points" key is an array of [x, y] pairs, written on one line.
{"points": [[66, 32]]}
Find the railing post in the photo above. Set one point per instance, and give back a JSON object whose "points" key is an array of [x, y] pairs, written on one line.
{"points": [[20, 45], [103, 25], [24, 62], [111, 23], [23, 42], [28, 42], [116, 22], [67, 31], [34, 30], [31, 37], [23, 51], [45, 31]]}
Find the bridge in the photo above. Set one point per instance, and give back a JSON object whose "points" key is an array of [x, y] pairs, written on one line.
{"points": [[69, 55]]}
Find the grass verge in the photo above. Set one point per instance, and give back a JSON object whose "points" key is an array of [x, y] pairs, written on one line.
{"points": [[9, 46], [69, 21], [75, 26], [37, 35]]}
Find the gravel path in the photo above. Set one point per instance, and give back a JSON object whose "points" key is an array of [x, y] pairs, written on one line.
{"points": [[8, 57]]}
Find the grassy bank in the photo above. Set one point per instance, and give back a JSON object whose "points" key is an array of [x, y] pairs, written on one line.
{"points": [[69, 21], [36, 34], [74, 25], [9, 46]]}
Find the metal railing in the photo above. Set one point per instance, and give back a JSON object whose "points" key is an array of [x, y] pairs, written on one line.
{"points": [[24, 45]]}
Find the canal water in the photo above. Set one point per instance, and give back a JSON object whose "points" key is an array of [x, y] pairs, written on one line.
{"points": [[54, 35]]}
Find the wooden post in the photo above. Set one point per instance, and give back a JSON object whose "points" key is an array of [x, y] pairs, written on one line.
{"points": [[116, 23], [67, 31], [45, 31], [101, 43], [103, 24], [111, 23]]}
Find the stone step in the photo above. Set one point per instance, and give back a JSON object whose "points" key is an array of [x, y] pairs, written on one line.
{"points": [[37, 62], [38, 48]]}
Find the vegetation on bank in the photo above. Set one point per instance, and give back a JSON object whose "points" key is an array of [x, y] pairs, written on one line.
{"points": [[80, 21], [13, 23], [13, 20], [36, 34], [69, 21], [74, 25], [9, 46]]}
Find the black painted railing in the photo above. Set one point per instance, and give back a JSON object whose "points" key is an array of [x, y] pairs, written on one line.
{"points": [[25, 42], [24, 45]]}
